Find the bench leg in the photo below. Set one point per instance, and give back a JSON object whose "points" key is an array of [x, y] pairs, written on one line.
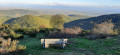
{"points": [[43, 45], [63, 46], [46, 45]]}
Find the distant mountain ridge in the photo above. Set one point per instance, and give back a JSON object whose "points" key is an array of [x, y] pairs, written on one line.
{"points": [[18, 12], [22, 12], [89, 23], [86, 10]]}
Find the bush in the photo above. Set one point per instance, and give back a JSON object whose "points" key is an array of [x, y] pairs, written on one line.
{"points": [[96, 36], [15, 35], [61, 35], [103, 28], [84, 32], [31, 32], [3, 34], [6, 31], [66, 33], [10, 46], [1, 39], [75, 30]]}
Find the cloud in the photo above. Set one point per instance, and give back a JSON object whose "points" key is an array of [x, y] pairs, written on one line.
{"points": [[63, 4], [53, 3]]}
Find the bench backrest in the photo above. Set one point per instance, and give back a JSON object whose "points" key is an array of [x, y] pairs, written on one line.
{"points": [[53, 40]]}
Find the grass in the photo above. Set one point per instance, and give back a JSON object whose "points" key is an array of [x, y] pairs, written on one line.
{"points": [[75, 46]]}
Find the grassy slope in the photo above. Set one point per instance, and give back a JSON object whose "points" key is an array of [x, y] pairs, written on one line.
{"points": [[76, 46]]}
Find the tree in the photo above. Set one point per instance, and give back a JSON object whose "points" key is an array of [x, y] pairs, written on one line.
{"points": [[57, 21]]}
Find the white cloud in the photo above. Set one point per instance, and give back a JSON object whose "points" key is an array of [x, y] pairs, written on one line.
{"points": [[51, 3], [63, 4]]}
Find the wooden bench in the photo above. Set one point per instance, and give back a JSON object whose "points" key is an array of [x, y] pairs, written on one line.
{"points": [[46, 42]]}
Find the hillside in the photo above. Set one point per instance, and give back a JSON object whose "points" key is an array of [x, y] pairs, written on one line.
{"points": [[4, 19], [30, 21], [79, 15], [17, 12], [89, 23], [46, 14], [67, 18]]}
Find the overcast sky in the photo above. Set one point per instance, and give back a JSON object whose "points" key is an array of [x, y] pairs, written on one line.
{"points": [[65, 2]]}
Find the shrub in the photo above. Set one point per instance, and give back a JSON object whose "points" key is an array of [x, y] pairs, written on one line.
{"points": [[15, 35], [66, 33], [85, 32], [61, 35], [103, 28], [21, 47], [96, 36], [115, 32], [1, 39], [3, 34], [10, 46], [75, 30], [31, 32]]}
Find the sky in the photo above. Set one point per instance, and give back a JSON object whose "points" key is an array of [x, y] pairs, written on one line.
{"points": [[65, 2]]}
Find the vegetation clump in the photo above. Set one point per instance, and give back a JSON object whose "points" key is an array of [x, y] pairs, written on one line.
{"points": [[103, 28], [75, 30], [66, 33], [10, 46], [6, 31], [15, 35]]}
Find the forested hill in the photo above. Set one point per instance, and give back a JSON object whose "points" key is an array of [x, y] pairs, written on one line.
{"points": [[17, 12], [30, 21], [89, 23], [67, 18]]}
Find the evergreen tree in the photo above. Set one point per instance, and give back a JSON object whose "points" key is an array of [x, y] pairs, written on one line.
{"points": [[57, 21]]}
